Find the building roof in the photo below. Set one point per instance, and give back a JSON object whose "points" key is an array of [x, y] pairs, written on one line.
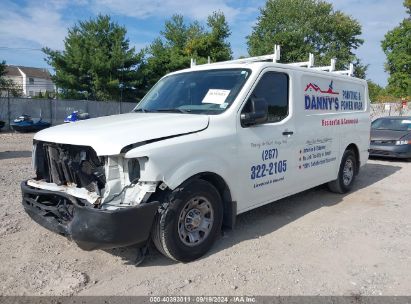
{"points": [[12, 70]]}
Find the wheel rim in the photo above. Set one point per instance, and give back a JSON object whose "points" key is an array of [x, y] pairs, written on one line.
{"points": [[348, 172], [195, 221]]}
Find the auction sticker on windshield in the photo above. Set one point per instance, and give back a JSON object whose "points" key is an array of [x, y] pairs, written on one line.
{"points": [[216, 96]]}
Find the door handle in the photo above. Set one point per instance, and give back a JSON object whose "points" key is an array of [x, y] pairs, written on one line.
{"points": [[288, 133]]}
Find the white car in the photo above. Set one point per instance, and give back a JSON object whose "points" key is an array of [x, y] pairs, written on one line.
{"points": [[204, 145]]}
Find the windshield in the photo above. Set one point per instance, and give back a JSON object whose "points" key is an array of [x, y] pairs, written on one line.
{"points": [[199, 92], [392, 124]]}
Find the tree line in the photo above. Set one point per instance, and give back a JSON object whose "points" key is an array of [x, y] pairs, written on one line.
{"points": [[98, 62]]}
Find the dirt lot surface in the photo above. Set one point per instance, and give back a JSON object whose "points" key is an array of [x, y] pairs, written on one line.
{"points": [[314, 243]]}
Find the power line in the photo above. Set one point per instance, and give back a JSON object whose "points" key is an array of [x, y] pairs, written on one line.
{"points": [[19, 48], [38, 82], [25, 66]]}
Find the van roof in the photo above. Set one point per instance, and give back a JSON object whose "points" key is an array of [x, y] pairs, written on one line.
{"points": [[265, 64]]}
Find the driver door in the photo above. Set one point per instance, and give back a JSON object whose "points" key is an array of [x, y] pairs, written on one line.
{"points": [[266, 150]]}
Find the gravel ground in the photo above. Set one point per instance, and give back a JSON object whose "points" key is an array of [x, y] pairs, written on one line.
{"points": [[314, 243]]}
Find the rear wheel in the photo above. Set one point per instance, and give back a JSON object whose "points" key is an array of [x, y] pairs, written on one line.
{"points": [[346, 173], [190, 222]]}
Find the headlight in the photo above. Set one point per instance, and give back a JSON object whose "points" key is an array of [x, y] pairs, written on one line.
{"points": [[403, 142]]}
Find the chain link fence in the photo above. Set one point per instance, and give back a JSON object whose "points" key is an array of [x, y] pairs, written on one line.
{"points": [[55, 111]]}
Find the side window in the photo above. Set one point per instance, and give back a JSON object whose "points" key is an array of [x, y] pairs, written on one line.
{"points": [[273, 88]]}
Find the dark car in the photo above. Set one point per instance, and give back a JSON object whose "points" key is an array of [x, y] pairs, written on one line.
{"points": [[391, 137]]}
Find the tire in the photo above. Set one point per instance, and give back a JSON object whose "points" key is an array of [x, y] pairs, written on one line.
{"points": [[346, 174], [190, 221]]}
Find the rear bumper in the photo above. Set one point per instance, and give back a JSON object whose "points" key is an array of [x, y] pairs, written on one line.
{"points": [[397, 151], [89, 227]]}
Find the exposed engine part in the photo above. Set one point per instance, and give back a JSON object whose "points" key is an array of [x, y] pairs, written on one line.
{"points": [[110, 182], [130, 195], [112, 198], [72, 189], [140, 192], [68, 164]]}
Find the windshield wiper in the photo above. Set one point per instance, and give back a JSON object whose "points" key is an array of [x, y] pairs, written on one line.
{"points": [[172, 110], [144, 110]]}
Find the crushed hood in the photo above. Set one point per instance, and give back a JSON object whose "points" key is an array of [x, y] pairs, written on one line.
{"points": [[108, 135]]}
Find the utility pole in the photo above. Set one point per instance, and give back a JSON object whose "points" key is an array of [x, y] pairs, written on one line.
{"points": [[121, 96], [8, 107], [51, 110], [121, 86]]}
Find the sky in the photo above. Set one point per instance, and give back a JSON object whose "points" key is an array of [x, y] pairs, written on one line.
{"points": [[27, 26]]}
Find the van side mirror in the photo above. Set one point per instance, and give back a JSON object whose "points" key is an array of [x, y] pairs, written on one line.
{"points": [[258, 113]]}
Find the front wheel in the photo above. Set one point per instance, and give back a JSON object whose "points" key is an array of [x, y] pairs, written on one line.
{"points": [[190, 222], [346, 173]]}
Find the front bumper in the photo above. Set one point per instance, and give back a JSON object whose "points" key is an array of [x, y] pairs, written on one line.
{"points": [[397, 151], [89, 227]]}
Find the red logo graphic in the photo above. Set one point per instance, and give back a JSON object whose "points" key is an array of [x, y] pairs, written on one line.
{"points": [[316, 88]]}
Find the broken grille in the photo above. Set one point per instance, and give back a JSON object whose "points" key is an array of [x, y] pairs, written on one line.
{"points": [[70, 164]]}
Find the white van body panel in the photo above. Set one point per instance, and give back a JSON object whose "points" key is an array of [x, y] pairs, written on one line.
{"points": [[108, 135], [186, 156], [327, 113]]}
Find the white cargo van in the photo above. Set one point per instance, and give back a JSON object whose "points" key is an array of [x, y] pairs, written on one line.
{"points": [[204, 145]]}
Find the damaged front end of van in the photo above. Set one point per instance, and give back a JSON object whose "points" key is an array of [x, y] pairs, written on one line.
{"points": [[99, 202], [88, 188]]}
